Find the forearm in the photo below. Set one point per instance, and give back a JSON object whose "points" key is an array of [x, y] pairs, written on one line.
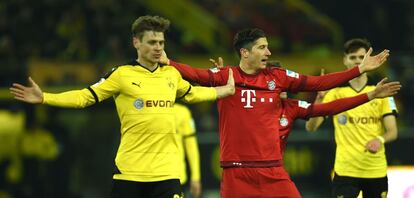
{"points": [[329, 81], [193, 157], [72, 99], [391, 130], [200, 94], [313, 123], [200, 76], [337, 106]]}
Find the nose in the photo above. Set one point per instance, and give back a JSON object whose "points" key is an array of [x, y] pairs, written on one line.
{"points": [[268, 52]]}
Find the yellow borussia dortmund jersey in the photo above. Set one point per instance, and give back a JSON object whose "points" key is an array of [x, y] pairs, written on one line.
{"points": [[188, 143], [354, 128], [148, 149]]}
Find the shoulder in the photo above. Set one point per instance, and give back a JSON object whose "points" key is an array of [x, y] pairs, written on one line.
{"points": [[281, 72], [119, 68]]}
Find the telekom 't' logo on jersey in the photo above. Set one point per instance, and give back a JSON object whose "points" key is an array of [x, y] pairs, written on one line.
{"points": [[249, 97]]}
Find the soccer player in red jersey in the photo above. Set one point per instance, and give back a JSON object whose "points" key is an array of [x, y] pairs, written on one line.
{"points": [[249, 136]]}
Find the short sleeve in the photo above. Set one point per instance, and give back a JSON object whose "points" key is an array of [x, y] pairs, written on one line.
{"points": [[389, 107]]}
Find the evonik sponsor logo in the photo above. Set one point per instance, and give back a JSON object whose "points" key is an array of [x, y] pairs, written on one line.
{"points": [[139, 103]]}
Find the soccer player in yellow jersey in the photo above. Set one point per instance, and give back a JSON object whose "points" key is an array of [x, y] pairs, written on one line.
{"points": [[144, 91], [360, 133], [188, 145]]}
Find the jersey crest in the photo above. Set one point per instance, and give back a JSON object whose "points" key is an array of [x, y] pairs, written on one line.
{"points": [[271, 85], [284, 121]]}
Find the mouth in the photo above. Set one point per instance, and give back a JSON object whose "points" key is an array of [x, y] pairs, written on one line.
{"points": [[157, 56], [264, 61]]}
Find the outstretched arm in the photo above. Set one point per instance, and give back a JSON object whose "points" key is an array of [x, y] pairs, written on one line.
{"points": [[382, 90], [34, 95], [202, 77], [31, 94], [199, 76], [328, 81], [198, 93]]}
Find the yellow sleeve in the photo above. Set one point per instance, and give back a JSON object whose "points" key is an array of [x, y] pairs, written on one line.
{"points": [[74, 99], [389, 106], [193, 156], [108, 86], [194, 94], [191, 146], [101, 90]]}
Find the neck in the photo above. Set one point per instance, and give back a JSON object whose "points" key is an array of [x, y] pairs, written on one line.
{"points": [[248, 69], [147, 64], [359, 82]]}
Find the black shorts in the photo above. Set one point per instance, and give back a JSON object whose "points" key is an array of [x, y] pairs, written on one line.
{"points": [[349, 187], [161, 189]]}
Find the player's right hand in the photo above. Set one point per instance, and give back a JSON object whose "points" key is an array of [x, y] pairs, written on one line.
{"points": [[31, 94]]}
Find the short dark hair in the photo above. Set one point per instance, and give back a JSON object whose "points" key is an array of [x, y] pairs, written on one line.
{"points": [[246, 38], [353, 45], [149, 23]]}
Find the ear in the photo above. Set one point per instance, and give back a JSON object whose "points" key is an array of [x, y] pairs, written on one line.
{"points": [[244, 52], [136, 42]]}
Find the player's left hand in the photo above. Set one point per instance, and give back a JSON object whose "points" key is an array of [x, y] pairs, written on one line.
{"points": [[219, 63], [370, 63], [195, 189], [373, 145]]}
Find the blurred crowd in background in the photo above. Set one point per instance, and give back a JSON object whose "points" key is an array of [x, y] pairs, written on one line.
{"points": [[50, 152]]}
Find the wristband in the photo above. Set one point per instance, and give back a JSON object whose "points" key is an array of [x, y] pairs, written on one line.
{"points": [[381, 139]]}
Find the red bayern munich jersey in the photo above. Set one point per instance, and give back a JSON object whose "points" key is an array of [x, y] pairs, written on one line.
{"points": [[248, 120]]}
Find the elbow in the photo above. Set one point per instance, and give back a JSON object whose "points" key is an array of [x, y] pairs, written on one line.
{"points": [[394, 136]]}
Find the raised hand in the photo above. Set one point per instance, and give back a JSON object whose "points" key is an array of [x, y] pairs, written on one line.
{"points": [[228, 89], [230, 82], [219, 63], [164, 58], [370, 63], [384, 89], [31, 94]]}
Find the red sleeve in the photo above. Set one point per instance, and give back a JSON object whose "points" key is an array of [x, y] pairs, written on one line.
{"points": [[199, 76], [204, 77], [294, 82], [328, 81], [336, 106]]}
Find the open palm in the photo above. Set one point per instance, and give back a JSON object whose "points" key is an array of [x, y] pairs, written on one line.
{"points": [[31, 94], [370, 63]]}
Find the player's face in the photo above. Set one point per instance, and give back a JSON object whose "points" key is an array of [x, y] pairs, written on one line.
{"points": [[150, 47], [283, 95], [354, 58], [259, 54]]}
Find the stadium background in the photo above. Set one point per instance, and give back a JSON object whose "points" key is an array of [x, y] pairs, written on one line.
{"points": [[53, 152]]}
